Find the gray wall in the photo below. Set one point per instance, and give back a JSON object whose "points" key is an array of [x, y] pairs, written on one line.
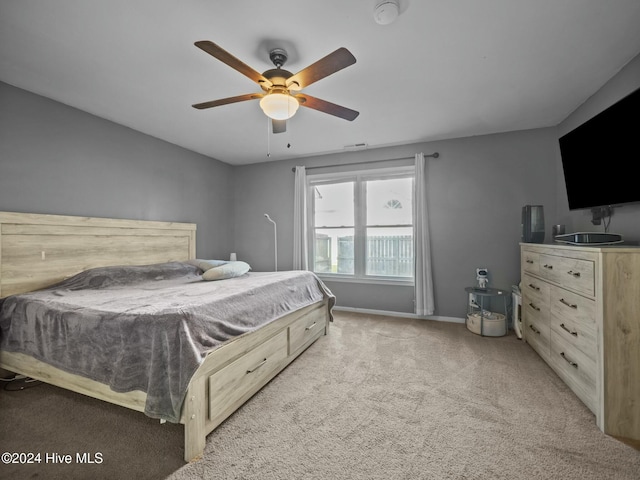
{"points": [[59, 160], [626, 219], [476, 190]]}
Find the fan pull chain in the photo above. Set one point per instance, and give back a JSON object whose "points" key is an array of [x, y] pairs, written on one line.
{"points": [[268, 138]]}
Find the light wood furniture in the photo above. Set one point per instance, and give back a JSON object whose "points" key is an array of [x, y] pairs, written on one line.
{"points": [[39, 250], [581, 313]]}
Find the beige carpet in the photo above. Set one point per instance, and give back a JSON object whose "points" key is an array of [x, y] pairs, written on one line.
{"points": [[378, 398]]}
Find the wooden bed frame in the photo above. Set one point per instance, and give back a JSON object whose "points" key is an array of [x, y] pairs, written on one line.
{"points": [[37, 251]]}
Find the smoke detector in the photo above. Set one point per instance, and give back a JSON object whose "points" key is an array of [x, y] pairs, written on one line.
{"points": [[386, 12]]}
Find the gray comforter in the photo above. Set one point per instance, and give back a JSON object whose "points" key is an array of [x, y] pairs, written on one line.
{"points": [[147, 327]]}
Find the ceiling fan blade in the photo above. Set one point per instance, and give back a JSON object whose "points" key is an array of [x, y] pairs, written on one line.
{"points": [[327, 107], [225, 57], [324, 67], [226, 101], [279, 126]]}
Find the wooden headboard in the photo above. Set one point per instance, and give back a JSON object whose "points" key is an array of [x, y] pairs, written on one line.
{"points": [[39, 250]]}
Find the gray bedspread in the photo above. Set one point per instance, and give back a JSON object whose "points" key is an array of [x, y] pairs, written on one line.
{"points": [[147, 327]]}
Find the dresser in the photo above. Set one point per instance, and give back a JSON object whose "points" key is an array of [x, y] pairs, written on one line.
{"points": [[581, 314]]}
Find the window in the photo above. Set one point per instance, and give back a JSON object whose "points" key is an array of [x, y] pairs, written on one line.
{"points": [[361, 224]]}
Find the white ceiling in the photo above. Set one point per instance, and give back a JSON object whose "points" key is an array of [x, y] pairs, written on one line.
{"points": [[443, 69]]}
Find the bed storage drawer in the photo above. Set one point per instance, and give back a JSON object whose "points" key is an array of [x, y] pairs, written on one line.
{"points": [[231, 386], [304, 331]]}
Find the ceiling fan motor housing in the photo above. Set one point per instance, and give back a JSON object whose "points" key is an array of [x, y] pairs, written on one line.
{"points": [[278, 56], [278, 78]]}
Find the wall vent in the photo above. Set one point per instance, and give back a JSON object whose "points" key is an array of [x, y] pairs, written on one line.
{"points": [[355, 147]]}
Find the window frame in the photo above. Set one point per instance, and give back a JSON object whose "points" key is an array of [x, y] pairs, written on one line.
{"points": [[359, 178]]}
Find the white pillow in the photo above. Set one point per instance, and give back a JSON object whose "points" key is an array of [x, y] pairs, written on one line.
{"points": [[228, 270]]}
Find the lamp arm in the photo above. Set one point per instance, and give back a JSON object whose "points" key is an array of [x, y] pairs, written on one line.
{"points": [[275, 245], [275, 240]]}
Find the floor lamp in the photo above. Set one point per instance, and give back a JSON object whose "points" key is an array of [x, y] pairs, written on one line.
{"points": [[275, 239]]}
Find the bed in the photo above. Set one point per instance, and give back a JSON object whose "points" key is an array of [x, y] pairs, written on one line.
{"points": [[178, 364]]}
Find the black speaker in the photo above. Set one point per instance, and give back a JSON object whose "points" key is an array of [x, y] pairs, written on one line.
{"points": [[533, 224]]}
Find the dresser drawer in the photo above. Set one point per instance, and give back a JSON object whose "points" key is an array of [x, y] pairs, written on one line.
{"points": [[303, 332], [535, 291], [549, 267], [579, 335], [535, 307], [576, 369], [538, 337], [570, 305], [235, 383], [536, 326], [576, 274], [531, 262], [574, 317]]}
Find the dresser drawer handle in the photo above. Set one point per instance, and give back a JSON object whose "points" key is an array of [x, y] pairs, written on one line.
{"points": [[573, 364], [570, 305], [548, 267], [251, 370], [575, 274], [575, 334], [310, 327], [534, 287], [529, 261], [535, 330], [534, 307]]}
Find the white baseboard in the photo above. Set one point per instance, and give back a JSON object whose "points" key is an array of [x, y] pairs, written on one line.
{"points": [[437, 318]]}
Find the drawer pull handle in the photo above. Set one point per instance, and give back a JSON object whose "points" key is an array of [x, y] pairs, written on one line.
{"points": [[575, 334], [573, 364], [534, 287], [548, 267], [535, 330], [529, 261], [310, 326], [534, 307], [575, 274], [570, 305], [251, 370]]}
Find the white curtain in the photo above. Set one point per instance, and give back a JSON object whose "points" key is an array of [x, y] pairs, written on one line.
{"points": [[300, 220], [423, 277]]}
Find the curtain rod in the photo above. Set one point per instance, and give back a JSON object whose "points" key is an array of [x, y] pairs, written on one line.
{"points": [[433, 155]]}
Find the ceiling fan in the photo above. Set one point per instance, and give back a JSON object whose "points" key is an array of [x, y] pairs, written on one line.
{"points": [[281, 99]]}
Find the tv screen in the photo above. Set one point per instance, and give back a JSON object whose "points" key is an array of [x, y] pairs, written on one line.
{"points": [[600, 157]]}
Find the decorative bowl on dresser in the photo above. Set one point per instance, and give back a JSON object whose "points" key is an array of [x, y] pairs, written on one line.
{"points": [[581, 314]]}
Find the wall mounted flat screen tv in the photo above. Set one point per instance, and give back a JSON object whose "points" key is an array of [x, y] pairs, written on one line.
{"points": [[600, 157]]}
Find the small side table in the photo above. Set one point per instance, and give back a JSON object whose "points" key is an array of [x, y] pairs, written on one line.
{"points": [[483, 294]]}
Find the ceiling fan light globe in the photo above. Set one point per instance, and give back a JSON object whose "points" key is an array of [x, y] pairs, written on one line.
{"points": [[279, 106]]}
